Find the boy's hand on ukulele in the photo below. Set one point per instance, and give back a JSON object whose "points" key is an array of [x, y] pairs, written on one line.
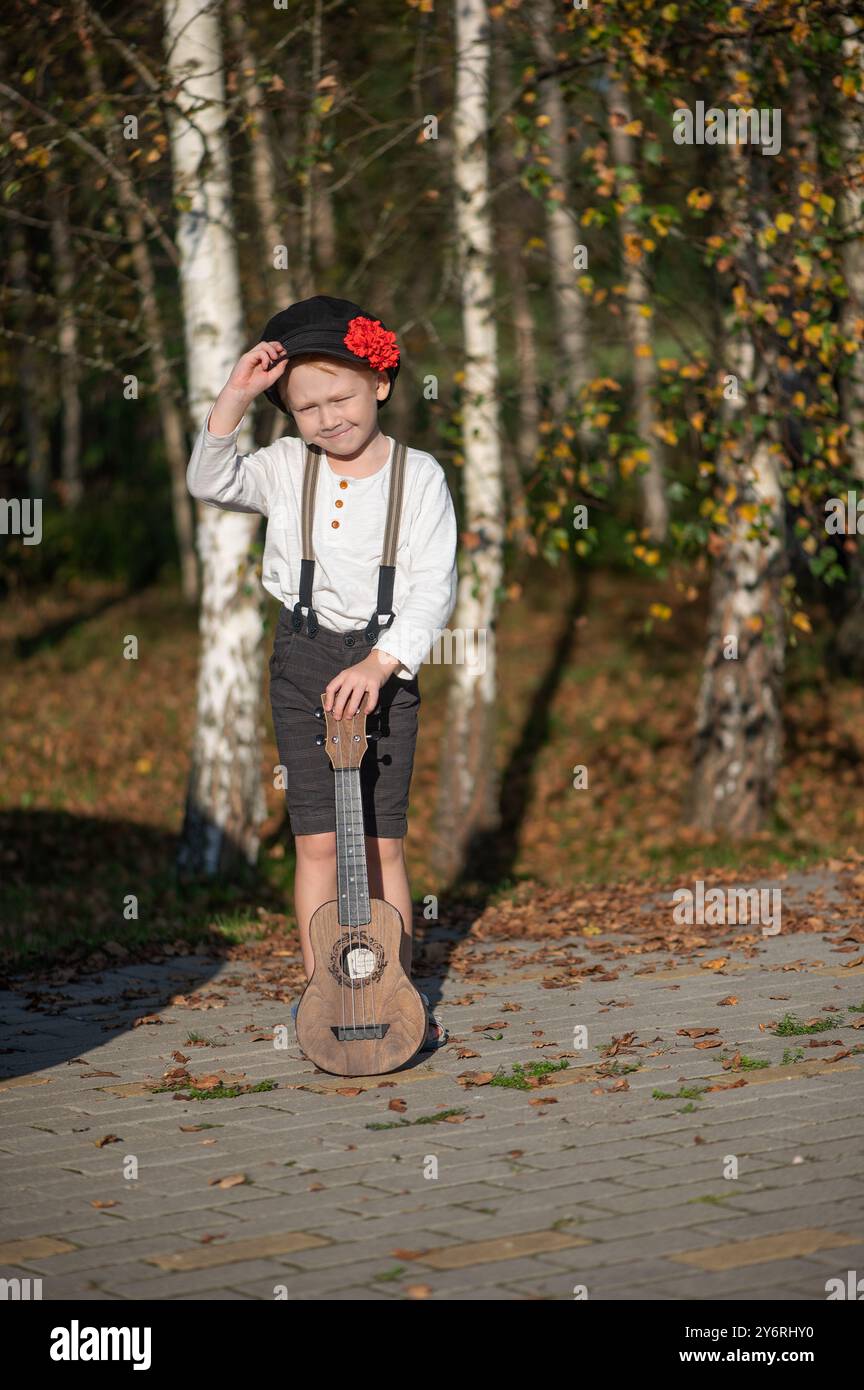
{"points": [[344, 695]]}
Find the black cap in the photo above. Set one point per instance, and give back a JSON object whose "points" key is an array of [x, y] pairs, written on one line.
{"points": [[322, 324]]}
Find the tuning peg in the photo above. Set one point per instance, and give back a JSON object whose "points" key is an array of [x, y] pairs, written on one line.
{"points": [[320, 739], [372, 736], [319, 711]]}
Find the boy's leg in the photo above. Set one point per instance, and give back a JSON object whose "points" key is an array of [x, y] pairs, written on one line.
{"points": [[314, 884], [388, 879]]}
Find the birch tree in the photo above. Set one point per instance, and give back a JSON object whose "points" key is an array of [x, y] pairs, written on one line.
{"points": [[638, 307], [225, 801], [468, 789], [562, 227], [739, 733]]}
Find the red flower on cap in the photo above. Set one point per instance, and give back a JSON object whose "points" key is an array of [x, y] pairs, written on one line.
{"points": [[366, 338]]}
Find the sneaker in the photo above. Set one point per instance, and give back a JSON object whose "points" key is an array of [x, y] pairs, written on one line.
{"points": [[437, 1035]]}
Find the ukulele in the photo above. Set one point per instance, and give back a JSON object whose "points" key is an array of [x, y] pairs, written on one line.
{"points": [[359, 1014]]}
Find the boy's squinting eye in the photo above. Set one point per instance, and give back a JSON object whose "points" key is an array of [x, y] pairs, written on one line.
{"points": [[304, 408]]}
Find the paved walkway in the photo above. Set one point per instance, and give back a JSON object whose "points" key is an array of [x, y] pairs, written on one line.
{"points": [[614, 1175]]}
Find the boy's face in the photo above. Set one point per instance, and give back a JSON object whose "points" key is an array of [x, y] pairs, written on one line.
{"points": [[336, 409]]}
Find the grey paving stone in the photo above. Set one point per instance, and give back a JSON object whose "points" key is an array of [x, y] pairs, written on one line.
{"points": [[618, 1168]]}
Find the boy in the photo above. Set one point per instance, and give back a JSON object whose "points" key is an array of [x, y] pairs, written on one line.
{"points": [[331, 366]]}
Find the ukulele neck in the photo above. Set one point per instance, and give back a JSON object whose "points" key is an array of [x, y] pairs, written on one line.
{"points": [[352, 884]]}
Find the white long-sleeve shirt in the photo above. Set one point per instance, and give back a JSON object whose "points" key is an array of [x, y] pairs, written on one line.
{"points": [[347, 556]]}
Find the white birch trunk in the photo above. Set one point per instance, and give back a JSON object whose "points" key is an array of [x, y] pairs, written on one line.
{"points": [[563, 233], [225, 801], [739, 723], [654, 503], [469, 799]]}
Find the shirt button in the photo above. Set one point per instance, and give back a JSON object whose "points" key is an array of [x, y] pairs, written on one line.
{"points": [[343, 483], [339, 502], [334, 523]]}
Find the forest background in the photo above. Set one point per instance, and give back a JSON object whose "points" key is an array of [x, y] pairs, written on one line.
{"points": [[632, 342]]}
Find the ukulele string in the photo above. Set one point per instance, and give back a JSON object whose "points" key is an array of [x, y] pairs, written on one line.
{"points": [[365, 885], [345, 953], [361, 954]]}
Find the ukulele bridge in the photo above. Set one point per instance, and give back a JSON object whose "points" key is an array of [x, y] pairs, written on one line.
{"points": [[369, 1032]]}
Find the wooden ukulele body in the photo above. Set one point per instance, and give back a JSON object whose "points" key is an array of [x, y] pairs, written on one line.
{"points": [[359, 1015]]}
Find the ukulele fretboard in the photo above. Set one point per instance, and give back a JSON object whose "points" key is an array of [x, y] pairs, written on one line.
{"points": [[352, 884]]}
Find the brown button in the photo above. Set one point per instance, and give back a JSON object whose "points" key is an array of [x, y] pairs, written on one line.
{"points": [[343, 483], [334, 523], [338, 502]]}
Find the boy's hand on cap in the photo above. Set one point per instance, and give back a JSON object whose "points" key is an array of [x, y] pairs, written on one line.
{"points": [[257, 369]]}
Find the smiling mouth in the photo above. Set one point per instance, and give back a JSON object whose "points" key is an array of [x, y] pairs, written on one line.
{"points": [[328, 437]]}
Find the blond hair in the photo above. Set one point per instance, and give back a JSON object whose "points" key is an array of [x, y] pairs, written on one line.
{"points": [[313, 359]]}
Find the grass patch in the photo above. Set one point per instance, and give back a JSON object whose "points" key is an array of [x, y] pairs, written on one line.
{"points": [[421, 1119], [518, 1081], [790, 1026], [217, 1093], [746, 1063], [685, 1093]]}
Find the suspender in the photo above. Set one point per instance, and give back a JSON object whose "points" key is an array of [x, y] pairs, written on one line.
{"points": [[387, 568]]}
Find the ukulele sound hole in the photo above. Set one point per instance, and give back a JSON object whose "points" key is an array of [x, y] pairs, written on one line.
{"points": [[357, 960]]}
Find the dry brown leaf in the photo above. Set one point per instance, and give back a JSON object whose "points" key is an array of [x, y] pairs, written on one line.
{"points": [[235, 1180], [397, 1104]]}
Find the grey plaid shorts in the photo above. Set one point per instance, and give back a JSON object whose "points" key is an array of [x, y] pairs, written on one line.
{"points": [[301, 667]]}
